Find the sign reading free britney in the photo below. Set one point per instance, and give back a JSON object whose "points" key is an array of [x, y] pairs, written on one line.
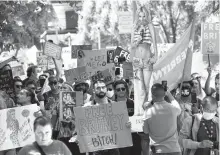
{"points": [[102, 127]]}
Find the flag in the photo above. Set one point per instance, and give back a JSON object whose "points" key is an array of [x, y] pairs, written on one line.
{"points": [[176, 64]]}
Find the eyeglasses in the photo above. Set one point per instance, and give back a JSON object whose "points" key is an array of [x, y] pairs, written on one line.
{"points": [[109, 89], [120, 89], [53, 83], [18, 86]]}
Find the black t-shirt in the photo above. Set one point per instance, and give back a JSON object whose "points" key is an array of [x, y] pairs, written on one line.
{"points": [[130, 107]]}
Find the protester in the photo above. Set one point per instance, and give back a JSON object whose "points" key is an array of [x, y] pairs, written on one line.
{"points": [[26, 97], [160, 122], [17, 86], [110, 91], [44, 143], [196, 86], [200, 133], [121, 94], [31, 75]]}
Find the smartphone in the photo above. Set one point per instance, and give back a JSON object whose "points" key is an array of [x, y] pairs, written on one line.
{"points": [[193, 98], [164, 84]]}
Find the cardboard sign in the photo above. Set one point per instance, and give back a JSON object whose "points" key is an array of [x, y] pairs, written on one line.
{"points": [[69, 100], [78, 49], [52, 50], [76, 75], [44, 61], [16, 128], [119, 52], [103, 75], [6, 82], [18, 70], [127, 70], [102, 127], [136, 123], [210, 38], [125, 22]]}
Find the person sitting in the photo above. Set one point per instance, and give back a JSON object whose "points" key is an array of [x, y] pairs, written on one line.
{"points": [[44, 143], [199, 133]]}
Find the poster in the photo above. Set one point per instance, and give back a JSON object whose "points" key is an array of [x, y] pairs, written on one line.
{"points": [[69, 100], [210, 38], [110, 56], [52, 50], [16, 129], [68, 62], [103, 75], [125, 22], [76, 75], [127, 70], [77, 50], [119, 52], [102, 127], [18, 70], [136, 123], [44, 61]]}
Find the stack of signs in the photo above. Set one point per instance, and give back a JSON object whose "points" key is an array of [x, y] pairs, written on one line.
{"points": [[44, 61], [76, 75], [52, 50], [119, 52], [16, 128], [77, 50], [210, 38], [127, 70], [103, 75], [69, 100], [102, 127], [6, 82]]}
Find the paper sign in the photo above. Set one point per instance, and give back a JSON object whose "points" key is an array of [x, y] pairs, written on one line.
{"points": [[110, 56], [16, 128], [210, 38], [102, 127], [77, 50], [125, 22], [52, 50], [76, 75], [127, 70], [119, 52], [136, 123], [69, 100], [44, 61], [18, 71], [103, 75]]}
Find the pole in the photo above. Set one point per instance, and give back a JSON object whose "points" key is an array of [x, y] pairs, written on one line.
{"points": [[209, 61]]}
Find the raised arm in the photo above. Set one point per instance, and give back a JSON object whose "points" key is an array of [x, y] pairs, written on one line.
{"points": [[58, 75], [208, 89]]}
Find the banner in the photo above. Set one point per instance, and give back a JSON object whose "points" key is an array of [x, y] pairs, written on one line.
{"points": [[103, 75], [163, 48], [52, 50], [127, 70], [78, 49], [210, 38], [125, 22], [136, 123], [16, 128], [170, 67], [44, 61], [119, 52], [76, 75], [69, 100], [18, 70], [102, 127]]}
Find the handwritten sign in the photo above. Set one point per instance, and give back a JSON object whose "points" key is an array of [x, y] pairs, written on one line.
{"points": [[127, 70], [103, 75], [136, 123], [44, 61], [6, 82], [102, 127], [125, 22], [69, 100], [18, 70], [16, 128], [78, 49], [76, 75], [119, 52], [210, 38], [52, 50]]}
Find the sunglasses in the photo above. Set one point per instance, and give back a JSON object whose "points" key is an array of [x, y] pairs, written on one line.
{"points": [[18, 86], [109, 89], [120, 89], [53, 83]]}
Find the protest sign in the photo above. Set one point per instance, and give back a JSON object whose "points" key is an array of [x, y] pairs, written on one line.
{"points": [[127, 70], [103, 75], [16, 128], [119, 52], [210, 38], [18, 70], [52, 50], [69, 100], [6, 82], [136, 123], [125, 22], [68, 62], [110, 56], [44, 61], [77, 50], [102, 127], [76, 75]]}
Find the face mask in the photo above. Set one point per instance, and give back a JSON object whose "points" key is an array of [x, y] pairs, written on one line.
{"points": [[185, 92], [110, 94], [208, 116]]}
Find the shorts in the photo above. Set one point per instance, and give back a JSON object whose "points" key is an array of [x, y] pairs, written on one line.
{"points": [[142, 63]]}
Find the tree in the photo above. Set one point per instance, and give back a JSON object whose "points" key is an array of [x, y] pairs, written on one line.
{"points": [[22, 23]]}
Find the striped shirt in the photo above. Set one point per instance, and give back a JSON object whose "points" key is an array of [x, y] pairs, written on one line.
{"points": [[144, 33]]}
